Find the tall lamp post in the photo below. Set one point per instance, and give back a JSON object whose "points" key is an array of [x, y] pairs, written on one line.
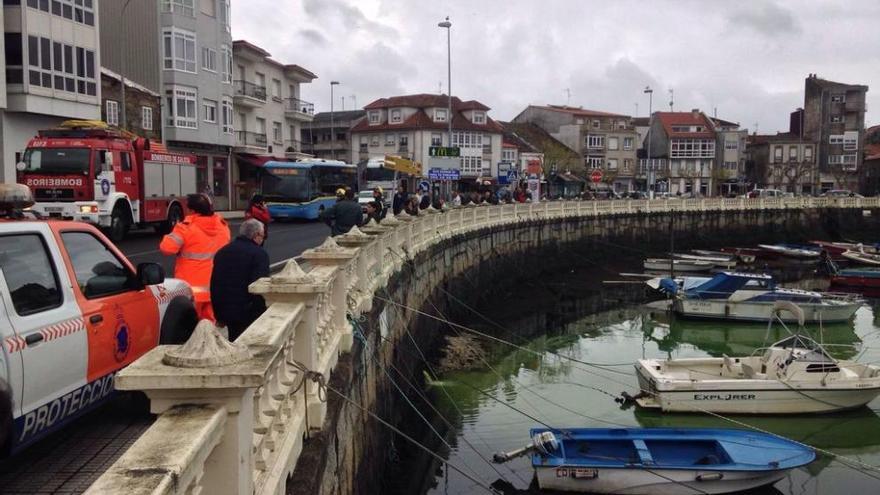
{"points": [[124, 122], [332, 129], [448, 26], [651, 178]]}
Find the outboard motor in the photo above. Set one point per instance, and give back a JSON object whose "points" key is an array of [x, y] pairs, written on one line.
{"points": [[544, 443]]}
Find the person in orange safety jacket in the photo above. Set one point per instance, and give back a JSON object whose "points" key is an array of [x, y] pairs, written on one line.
{"points": [[194, 241]]}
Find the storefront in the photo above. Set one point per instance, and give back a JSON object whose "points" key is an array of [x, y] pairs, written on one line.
{"points": [[212, 170]]}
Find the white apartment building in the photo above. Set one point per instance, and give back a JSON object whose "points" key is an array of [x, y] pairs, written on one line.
{"points": [[409, 125], [51, 56]]}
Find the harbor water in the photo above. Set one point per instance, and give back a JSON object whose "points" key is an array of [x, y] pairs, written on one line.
{"points": [[490, 408]]}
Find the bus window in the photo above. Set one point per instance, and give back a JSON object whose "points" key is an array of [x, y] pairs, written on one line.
{"points": [[379, 174], [287, 187], [329, 179]]}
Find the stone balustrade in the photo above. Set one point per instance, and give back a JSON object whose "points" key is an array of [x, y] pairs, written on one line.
{"points": [[232, 417]]}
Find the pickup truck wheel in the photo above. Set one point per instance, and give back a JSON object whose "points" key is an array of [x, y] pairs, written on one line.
{"points": [[179, 322], [175, 215], [120, 222], [6, 424]]}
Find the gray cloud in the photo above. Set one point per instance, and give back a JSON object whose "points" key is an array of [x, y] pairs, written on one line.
{"points": [[765, 18], [313, 36]]}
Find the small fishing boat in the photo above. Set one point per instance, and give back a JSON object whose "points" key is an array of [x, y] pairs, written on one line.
{"points": [[725, 262], [753, 253], [663, 265], [838, 248], [794, 375], [668, 461], [862, 258], [858, 277], [743, 257], [791, 251], [749, 297]]}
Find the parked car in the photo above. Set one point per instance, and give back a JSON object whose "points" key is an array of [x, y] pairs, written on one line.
{"points": [[840, 193], [73, 312], [765, 193]]}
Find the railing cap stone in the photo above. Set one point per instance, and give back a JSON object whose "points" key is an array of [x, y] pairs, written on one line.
{"points": [[206, 347]]}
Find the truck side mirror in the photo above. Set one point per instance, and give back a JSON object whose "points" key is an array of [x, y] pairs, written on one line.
{"points": [[150, 273]]}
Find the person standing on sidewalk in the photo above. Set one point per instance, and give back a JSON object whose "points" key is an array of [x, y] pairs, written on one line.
{"points": [[343, 215], [194, 241], [236, 266], [258, 211]]}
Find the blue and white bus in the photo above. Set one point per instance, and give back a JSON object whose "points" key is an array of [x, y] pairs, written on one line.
{"points": [[302, 189]]}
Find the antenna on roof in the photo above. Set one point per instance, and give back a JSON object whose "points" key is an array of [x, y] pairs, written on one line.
{"points": [[567, 91], [440, 87], [671, 99], [637, 109], [756, 128]]}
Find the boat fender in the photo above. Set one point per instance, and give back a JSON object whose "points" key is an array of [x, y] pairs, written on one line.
{"points": [[710, 476]]}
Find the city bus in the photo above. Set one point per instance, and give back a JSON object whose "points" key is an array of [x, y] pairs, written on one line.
{"points": [[304, 188]]}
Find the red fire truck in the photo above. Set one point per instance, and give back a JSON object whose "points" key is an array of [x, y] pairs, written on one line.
{"points": [[90, 172]]}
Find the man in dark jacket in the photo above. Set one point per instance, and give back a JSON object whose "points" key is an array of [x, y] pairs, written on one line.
{"points": [[343, 215], [236, 265], [399, 201]]}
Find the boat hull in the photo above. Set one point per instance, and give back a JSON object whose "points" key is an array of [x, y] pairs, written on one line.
{"points": [[855, 281], [652, 481], [760, 311], [657, 264]]}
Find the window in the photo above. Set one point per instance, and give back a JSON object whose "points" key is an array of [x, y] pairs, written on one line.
{"points": [[40, 70], [181, 104], [440, 115], [276, 89], [835, 139], [225, 64], [125, 162], [594, 162], [596, 124], [276, 132], [261, 81], [731, 144], [729, 166], [621, 124], [612, 164], [627, 164], [374, 117], [29, 274], [209, 59], [851, 141], [147, 118], [838, 98], [436, 139], [209, 7], [612, 143], [363, 143], [777, 154], [471, 165], [179, 49], [479, 118], [98, 271], [209, 111], [226, 15], [627, 143], [261, 126], [111, 112], [835, 159], [396, 116], [692, 148], [53, 65], [374, 140], [468, 139], [389, 139], [81, 11], [836, 119], [595, 141], [808, 154], [792, 153], [403, 141], [227, 115], [184, 7]]}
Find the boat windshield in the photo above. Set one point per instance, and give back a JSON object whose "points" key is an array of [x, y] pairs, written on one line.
{"points": [[815, 352]]}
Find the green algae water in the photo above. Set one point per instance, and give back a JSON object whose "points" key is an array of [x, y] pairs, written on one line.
{"points": [[493, 408]]}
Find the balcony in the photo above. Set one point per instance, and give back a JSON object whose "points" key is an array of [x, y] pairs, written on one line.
{"points": [[293, 148], [487, 149], [655, 164], [297, 109], [403, 148], [249, 94], [250, 142]]}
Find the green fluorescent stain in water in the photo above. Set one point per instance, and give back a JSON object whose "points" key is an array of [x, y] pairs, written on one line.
{"points": [[563, 393]]}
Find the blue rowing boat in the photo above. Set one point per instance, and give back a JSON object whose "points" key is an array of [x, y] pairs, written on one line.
{"points": [[659, 461]]}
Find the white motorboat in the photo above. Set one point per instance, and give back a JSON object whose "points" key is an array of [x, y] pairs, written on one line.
{"points": [[664, 264], [724, 262], [791, 251], [794, 375], [862, 258], [745, 258], [750, 297]]}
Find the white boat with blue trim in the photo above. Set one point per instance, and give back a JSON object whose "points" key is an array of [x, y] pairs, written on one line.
{"points": [[793, 376], [750, 297], [659, 461]]}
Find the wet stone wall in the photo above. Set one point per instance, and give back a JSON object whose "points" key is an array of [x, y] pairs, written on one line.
{"points": [[538, 275]]}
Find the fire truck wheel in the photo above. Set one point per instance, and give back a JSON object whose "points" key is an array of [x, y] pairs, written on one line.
{"points": [[175, 215], [179, 322], [6, 425], [120, 222]]}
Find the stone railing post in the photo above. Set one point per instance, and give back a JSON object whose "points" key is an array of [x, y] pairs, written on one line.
{"points": [[361, 297], [332, 254]]}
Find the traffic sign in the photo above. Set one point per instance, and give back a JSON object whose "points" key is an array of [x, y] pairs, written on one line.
{"points": [[512, 176], [453, 152], [596, 176], [425, 185], [444, 174]]}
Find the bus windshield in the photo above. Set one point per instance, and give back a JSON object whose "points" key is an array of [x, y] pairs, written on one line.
{"points": [[379, 174], [57, 160], [280, 186], [330, 179]]}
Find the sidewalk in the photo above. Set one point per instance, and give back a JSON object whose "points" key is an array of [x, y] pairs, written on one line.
{"points": [[231, 215]]}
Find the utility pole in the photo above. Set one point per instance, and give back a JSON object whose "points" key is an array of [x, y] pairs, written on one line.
{"points": [[124, 122], [332, 129], [671, 99], [651, 179]]}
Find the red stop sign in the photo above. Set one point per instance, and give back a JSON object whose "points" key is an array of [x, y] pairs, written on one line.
{"points": [[596, 176]]}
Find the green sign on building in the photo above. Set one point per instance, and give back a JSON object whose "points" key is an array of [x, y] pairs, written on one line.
{"points": [[444, 151]]}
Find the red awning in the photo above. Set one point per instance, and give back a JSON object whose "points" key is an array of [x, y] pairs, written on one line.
{"points": [[257, 160]]}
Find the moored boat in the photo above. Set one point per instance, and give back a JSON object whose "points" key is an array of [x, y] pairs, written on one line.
{"points": [[667, 461], [725, 262], [795, 375], [743, 257], [862, 258], [664, 264], [838, 248], [749, 297], [792, 251]]}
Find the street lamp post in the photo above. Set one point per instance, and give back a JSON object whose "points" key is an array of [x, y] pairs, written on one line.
{"points": [[332, 129], [448, 26], [651, 178], [124, 122]]}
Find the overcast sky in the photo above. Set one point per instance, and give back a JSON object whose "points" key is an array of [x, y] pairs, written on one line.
{"points": [[747, 59]]}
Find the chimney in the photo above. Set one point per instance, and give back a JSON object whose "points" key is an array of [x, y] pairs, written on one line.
{"points": [[695, 112]]}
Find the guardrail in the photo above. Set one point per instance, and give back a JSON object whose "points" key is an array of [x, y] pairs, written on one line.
{"points": [[232, 416]]}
